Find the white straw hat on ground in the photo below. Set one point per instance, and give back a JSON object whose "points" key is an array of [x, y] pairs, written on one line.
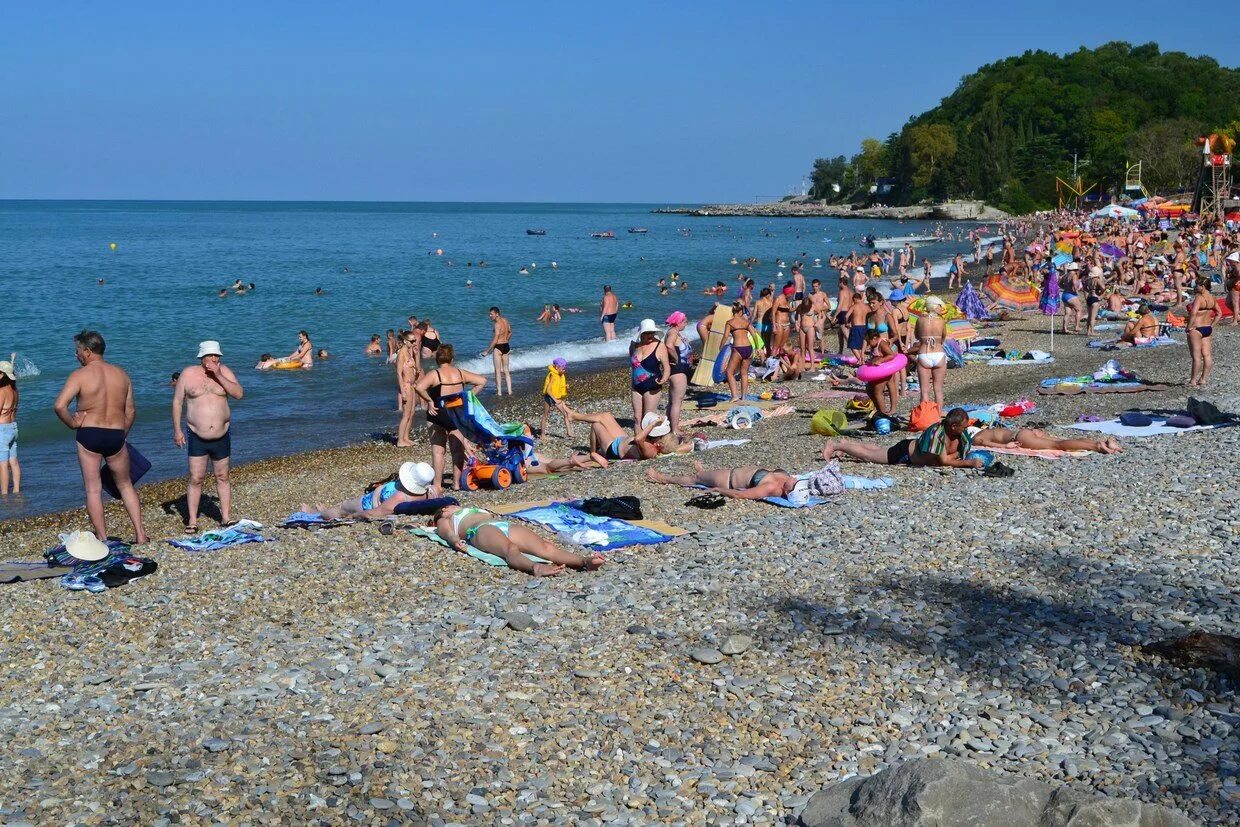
{"points": [[209, 348], [82, 545], [416, 477]]}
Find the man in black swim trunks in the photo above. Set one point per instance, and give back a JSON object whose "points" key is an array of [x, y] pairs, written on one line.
{"points": [[104, 415], [204, 390], [501, 345]]}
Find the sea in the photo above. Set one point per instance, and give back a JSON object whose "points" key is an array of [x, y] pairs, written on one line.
{"points": [[147, 276]]}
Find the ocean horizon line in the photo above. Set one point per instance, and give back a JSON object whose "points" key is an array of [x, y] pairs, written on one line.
{"points": [[13, 200]]}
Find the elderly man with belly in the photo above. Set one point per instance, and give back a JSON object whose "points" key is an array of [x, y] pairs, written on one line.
{"points": [[203, 391]]}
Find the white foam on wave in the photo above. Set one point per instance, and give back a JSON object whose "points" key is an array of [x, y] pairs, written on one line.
{"points": [[576, 352], [24, 366]]}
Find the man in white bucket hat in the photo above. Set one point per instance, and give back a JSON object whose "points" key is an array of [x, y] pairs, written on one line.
{"points": [[203, 390]]}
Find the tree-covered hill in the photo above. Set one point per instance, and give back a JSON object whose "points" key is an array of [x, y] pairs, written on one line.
{"points": [[1012, 127]]}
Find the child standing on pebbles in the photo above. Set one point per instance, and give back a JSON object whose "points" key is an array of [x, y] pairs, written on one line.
{"points": [[555, 395]]}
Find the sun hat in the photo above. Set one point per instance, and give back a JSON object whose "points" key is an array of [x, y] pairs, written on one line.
{"points": [[6, 367], [648, 326], [82, 545], [560, 362], [934, 303], [661, 429], [209, 348], [416, 477], [1234, 256], [676, 318]]}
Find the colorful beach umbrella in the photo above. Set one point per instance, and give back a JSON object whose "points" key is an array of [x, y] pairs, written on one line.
{"points": [[1111, 251], [970, 304], [1116, 211], [961, 330], [1013, 297]]}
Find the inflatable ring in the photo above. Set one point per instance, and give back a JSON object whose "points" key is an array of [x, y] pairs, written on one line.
{"points": [[287, 365], [720, 373], [877, 373], [756, 340]]}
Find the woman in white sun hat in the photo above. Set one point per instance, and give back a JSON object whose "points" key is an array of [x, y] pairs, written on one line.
{"points": [[9, 469], [651, 369], [414, 481]]}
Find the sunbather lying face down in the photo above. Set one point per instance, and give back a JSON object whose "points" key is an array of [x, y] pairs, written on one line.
{"points": [[464, 526], [1039, 440], [749, 482]]}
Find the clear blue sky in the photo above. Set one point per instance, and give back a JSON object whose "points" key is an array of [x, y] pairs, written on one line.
{"points": [[534, 101]]}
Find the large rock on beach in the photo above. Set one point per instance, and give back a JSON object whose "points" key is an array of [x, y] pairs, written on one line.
{"points": [[935, 792]]}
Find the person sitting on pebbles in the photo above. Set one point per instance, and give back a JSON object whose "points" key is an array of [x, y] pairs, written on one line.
{"points": [[414, 481], [1142, 329], [748, 482], [464, 526], [945, 444], [609, 441], [1039, 440]]}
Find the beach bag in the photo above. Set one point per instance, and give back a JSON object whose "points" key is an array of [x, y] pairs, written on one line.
{"points": [[924, 415], [828, 422], [861, 406], [827, 482], [955, 356], [621, 508]]}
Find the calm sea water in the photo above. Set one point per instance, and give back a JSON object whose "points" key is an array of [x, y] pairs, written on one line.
{"points": [[159, 299]]}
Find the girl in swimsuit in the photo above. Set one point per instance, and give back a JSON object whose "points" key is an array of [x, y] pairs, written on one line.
{"points": [[414, 481], [807, 327], [651, 370], [1203, 313], [461, 527], [407, 375], [738, 328], [931, 360], [1071, 297], [442, 390], [430, 339], [9, 467], [682, 367]]}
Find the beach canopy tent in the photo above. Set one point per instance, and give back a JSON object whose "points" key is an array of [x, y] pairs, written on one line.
{"points": [[1116, 211]]}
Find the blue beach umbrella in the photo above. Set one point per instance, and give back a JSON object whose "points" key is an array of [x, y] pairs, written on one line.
{"points": [[970, 303]]}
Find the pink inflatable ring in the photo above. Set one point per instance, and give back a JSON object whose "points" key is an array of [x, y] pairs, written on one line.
{"points": [[877, 373]]}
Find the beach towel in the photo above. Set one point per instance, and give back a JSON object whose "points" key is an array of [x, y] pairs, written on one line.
{"points": [[1115, 344], [1071, 387], [1043, 453], [568, 522], [17, 571], [116, 569], [245, 531], [1033, 357], [1158, 428], [311, 520], [837, 393], [476, 553], [708, 444]]}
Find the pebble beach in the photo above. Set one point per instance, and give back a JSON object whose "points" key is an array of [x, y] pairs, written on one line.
{"points": [[344, 676]]}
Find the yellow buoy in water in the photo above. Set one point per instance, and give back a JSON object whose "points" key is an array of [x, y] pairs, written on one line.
{"points": [[112, 246]]}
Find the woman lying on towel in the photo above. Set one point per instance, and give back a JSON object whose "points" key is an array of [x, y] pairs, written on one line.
{"points": [[414, 481], [945, 444], [609, 441], [747, 482], [464, 526], [1038, 440]]}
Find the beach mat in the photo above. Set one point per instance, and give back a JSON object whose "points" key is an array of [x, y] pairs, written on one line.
{"points": [[1074, 389], [476, 553], [1159, 428], [1114, 344], [19, 571], [704, 374], [1043, 453], [138, 466], [313, 521], [836, 393], [657, 526], [996, 362]]}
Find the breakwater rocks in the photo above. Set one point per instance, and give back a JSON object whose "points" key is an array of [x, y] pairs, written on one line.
{"points": [[949, 211]]}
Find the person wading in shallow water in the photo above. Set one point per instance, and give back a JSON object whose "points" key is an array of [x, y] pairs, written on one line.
{"points": [[104, 415], [500, 347]]}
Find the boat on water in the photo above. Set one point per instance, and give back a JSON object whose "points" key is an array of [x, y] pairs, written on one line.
{"points": [[603, 234], [639, 230], [535, 232], [896, 242]]}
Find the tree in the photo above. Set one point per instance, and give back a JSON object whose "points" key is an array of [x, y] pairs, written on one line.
{"points": [[871, 162], [1169, 157], [930, 146], [827, 175]]}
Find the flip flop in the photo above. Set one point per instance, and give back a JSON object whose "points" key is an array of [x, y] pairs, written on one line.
{"points": [[710, 500]]}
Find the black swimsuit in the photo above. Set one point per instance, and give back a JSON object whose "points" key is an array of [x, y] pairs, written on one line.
{"points": [[441, 417], [107, 442]]}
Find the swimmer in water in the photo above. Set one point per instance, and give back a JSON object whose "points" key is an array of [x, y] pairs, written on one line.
{"points": [[318, 291], [223, 294], [375, 348]]}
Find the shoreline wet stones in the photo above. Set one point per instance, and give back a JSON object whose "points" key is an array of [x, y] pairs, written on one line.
{"points": [[345, 676]]}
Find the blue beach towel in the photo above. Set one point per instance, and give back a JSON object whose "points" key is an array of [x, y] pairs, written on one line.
{"points": [[237, 535], [307, 519], [565, 519]]}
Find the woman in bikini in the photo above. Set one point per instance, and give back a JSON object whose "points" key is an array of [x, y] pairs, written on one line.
{"points": [[739, 328], [464, 526], [9, 468], [611, 442], [1038, 440], [930, 331], [1231, 264], [807, 327], [745, 483], [407, 375], [651, 370], [681, 366], [414, 481], [442, 390], [1071, 297], [1203, 314]]}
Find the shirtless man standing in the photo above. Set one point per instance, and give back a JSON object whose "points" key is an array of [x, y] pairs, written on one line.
{"points": [[499, 349], [608, 309], [204, 389], [104, 415]]}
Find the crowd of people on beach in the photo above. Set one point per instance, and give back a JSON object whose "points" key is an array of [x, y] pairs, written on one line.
{"points": [[883, 327]]}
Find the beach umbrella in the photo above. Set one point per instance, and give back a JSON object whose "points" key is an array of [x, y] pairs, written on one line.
{"points": [[961, 330], [1064, 247], [1111, 251], [970, 304], [918, 308], [1116, 211], [1048, 303], [1012, 297]]}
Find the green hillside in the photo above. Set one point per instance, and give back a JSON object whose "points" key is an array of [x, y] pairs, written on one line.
{"points": [[1011, 127]]}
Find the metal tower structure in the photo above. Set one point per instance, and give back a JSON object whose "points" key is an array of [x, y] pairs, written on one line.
{"points": [[1214, 181]]}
